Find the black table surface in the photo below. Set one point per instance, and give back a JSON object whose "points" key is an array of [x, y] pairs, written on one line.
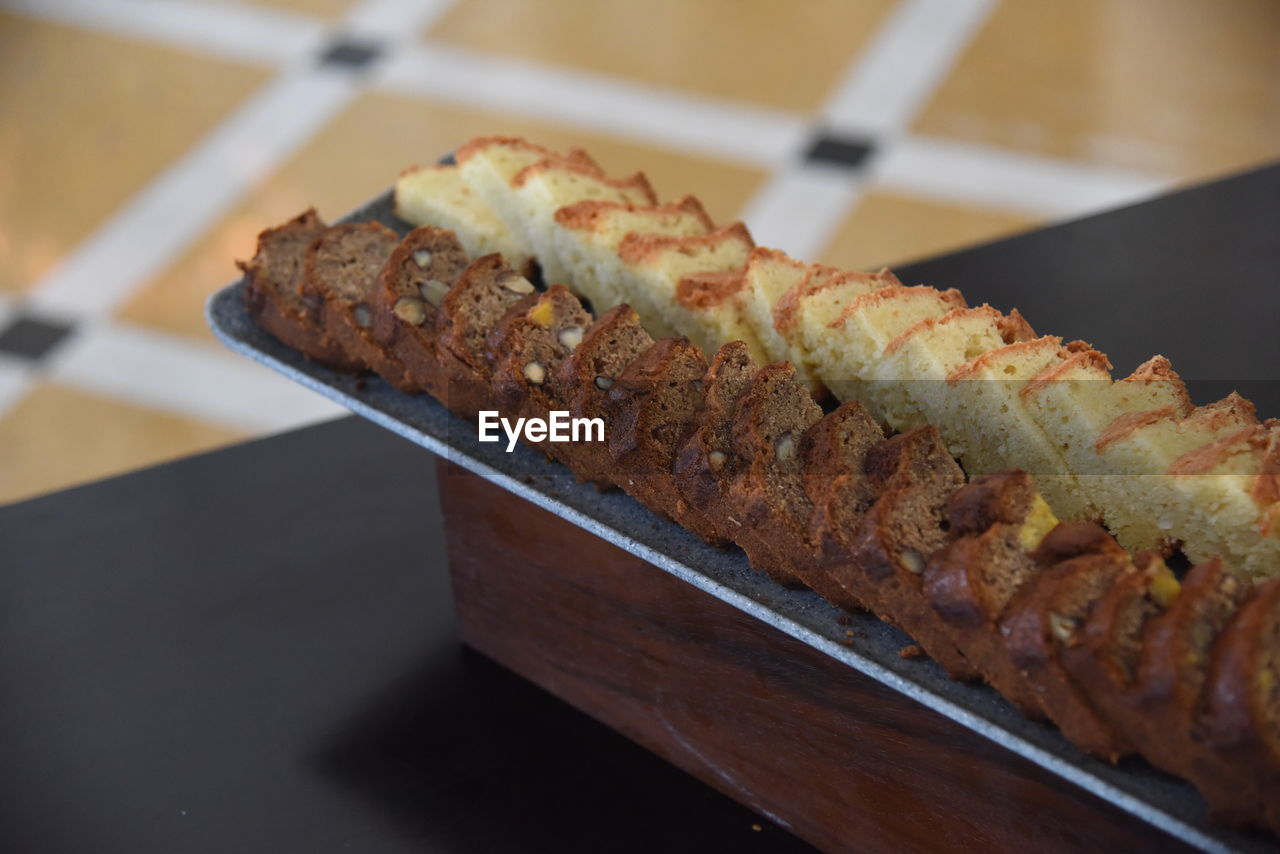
{"points": [[253, 649]]}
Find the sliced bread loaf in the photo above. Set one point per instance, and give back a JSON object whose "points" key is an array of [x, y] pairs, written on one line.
{"points": [[767, 493], [840, 492], [340, 280], [1162, 704], [706, 463], [1045, 616], [1241, 718], [406, 303], [525, 351], [587, 375], [915, 478], [482, 296], [272, 296], [996, 521], [651, 409]]}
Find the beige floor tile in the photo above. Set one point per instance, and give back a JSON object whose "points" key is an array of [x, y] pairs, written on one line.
{"points": [[772, 52], [85, 121], [886, 229], [1182, 87], [360, 154], [44, 443]]}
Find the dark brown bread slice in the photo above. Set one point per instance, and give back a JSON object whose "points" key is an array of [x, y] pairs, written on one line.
{"points": [[651, 408], [997, 520], [525, 351], [485, 292], [1104, 654], [1046, 615], [840, 492], [610, 344], [915, 476], [340, 276], [406, 302], [271, 291], [767, 493], [706, 462], [1241, 720], [1074, 539], [1163, 701]]}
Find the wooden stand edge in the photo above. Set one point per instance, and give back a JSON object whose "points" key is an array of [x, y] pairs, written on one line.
{"points": [[842, 761]]}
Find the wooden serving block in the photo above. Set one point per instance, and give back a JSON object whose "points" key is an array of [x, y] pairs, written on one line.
{"points": [[842, 761]]}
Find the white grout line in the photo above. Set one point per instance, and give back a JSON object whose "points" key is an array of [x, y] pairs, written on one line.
{"points": [[151, 229], [233, 31], [973, 174], [396, 21], [902, 66], [799, 209], [737, 132], [174, 374]]}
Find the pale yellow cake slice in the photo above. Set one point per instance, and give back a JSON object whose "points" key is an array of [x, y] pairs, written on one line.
{"points": [[1138, 449], [541, 189], [1075, 400], [767, 276], [981, 408], [846, 348], [803, 316], [524, 184], [588, 234], [780, 292], [437, 195], [707, 311], [907, 385], [1221, 499]]}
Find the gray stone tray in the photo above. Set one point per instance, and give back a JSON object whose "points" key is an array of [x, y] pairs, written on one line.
{"points": [[1164, 801]]}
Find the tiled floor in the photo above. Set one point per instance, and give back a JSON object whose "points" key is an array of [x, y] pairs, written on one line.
{"points": [[142, 147]]}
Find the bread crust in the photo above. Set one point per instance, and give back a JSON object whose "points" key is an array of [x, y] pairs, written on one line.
{"points": [[651, 408], [771, 418], [1240, 723], [340, 277], [915, 477], [612, 343], [970, 581], [483, 294], [845, 514], [271, 295], [706, 462], [407, 301], [1044, 616], [834, 478], [525, 352]]}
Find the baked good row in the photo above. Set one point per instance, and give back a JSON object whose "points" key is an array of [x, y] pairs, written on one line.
{"points": [[1134, 454], [1058, 617]]}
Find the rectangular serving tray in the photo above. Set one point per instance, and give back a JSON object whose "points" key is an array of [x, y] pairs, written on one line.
{"points": [[858, 640]]}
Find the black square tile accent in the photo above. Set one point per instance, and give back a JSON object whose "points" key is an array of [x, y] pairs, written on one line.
{"points": [[849, 152], [32, 338], [352, 54]]}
